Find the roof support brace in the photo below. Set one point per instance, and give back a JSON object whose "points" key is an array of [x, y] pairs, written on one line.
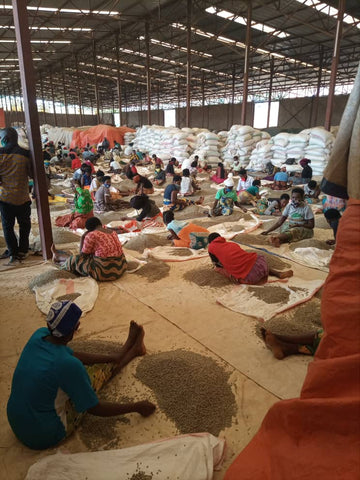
{"points": [[334, 64], [27, 76], [246, 62]]}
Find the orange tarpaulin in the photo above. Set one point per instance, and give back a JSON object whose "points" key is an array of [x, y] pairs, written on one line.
{"points": [[95, 135]]}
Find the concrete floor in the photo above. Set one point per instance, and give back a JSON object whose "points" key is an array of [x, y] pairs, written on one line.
{"points": [[175, 314], [180, 315]]}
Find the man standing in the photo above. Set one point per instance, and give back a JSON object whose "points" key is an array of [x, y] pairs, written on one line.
{"points": [[15, 169]]}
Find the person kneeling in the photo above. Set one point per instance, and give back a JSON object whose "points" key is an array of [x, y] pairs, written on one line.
{"points": [[52, 388]]}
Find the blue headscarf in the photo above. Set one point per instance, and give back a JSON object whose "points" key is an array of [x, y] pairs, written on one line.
{"points": [[63, 318]]}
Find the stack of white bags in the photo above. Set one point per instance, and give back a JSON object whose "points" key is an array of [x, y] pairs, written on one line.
{"points": [[241, 141], [207, 148], [129, 137], [260, 156], [319, 148]]}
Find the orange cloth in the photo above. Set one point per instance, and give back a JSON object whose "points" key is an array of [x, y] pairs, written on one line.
{"points": [[236, 261], [184, 234], [317, 435], [95, 135]]}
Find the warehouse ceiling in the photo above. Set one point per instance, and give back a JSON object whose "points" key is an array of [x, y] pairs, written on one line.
{"points": [[77, 44]]}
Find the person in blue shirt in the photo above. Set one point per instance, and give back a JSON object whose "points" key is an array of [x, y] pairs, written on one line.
{"points": [[280, 180], [51, 385]]}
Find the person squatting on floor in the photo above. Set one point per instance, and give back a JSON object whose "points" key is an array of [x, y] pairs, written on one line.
{"points": [[53, 386]]}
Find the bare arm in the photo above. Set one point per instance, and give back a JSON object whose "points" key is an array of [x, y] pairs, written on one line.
{"points": [[240, 206], [174, 197], [172, 235], [308, 224], [277, 225], [110, 409]]}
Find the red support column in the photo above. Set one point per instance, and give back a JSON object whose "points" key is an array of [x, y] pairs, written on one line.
{"points": [[27, 76]]}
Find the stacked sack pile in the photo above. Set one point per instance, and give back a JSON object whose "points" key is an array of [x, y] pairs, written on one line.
{"points": [[261, 155], [241, 141], [279, 145], [319, 148], [207, 148], [129, 137], [164, 142]]}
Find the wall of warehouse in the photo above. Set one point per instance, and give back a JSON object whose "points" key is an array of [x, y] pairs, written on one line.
{"points": [[293, 114]]}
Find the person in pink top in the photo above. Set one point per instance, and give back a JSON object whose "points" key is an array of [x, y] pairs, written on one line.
{"points": [[101, 255]]}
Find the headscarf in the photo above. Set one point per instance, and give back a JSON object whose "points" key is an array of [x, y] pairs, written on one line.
{"points": [[229, 182], [63, 318], [83, 201], [304, 162]]}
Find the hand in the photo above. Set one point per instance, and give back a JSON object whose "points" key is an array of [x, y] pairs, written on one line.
{"points": [[244, 209], [145, 408]]}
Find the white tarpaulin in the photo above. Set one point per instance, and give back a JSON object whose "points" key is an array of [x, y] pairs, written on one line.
{"points": [[87, 288], [256, 301], [187, 457]]}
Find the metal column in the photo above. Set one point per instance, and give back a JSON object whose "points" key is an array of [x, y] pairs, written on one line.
{"points": [[334, 65], [270, 91], [42, 95], [118, 78], [188, 64], [27, 76], [53, 100], [203, 98], [141, 106], [315, 111], [78, 90], [233, 94], [148, 77], [65, 97], [97, 98], [246, 63]]}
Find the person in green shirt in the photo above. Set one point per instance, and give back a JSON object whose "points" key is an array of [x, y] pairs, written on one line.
{"points": [[251, 194], [225, 199]]}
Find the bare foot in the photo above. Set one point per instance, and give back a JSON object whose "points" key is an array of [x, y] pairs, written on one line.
{"points": [[200, 201], [274, 345], [281, 274], [134, 331], [275, 242]]}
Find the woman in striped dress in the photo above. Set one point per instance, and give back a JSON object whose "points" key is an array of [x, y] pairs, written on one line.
{"points": [[101, 256]]}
